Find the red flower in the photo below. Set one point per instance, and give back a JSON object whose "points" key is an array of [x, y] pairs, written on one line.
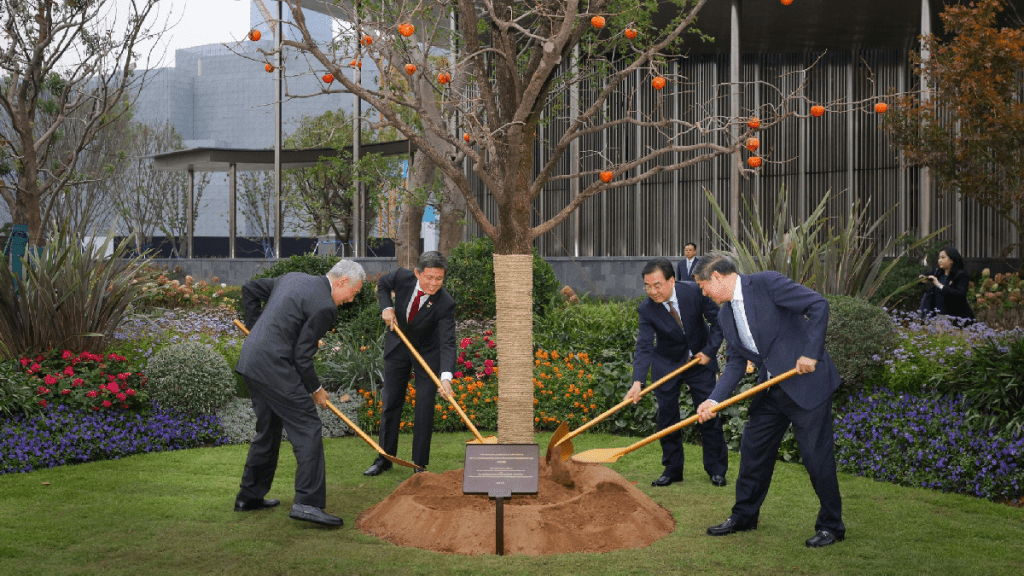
{"points": [[491, 344], [130, 392], [458, 374], [124, 406], [69, 371], [91, 394], [50, 379], [488, 371], [489, 363], [24, 361], [67, 355], [65, 391], [122, 397], [469, 365], [107, 404], [39, 358], [42, 390], [488, 333], [95, 408], [460, 361], [34, 368], [465, 343], [77, 382], [43, 403], [103, 387], [123, 376], [113, 387]]}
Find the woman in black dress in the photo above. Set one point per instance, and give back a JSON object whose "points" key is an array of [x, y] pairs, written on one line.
{"points": [[946, 291]]}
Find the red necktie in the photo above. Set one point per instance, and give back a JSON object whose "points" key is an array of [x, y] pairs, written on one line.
{"points": [[415, 305]]}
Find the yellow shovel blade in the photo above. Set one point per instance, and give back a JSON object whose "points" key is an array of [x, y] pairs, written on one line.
{"points": [[487, 440], [598, 455]]}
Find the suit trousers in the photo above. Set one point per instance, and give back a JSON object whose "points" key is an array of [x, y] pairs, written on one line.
{"points": [[716, 453], [770, 415], [294, 411], [397, 367]]}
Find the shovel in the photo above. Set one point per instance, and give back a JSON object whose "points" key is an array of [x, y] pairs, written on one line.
{"points": [[479, 439], [609, 455], [562, 436], [352, 424]]}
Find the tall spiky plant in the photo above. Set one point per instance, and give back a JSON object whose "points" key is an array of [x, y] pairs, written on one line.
{"points": [[830, 256], [71, 295]]}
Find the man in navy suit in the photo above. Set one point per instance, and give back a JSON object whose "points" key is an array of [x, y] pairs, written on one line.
{"points": [[685, 271], [277, 365], [676, 324], [426, 315], [777, 324]]}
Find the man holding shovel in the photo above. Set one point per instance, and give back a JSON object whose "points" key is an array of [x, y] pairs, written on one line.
{"points": [[777, 324], [277, 365], [425, 312], [677, 323]]}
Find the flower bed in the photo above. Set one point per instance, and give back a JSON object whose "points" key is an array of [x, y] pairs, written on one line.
{"points": [[919, 441], [64, 435]]}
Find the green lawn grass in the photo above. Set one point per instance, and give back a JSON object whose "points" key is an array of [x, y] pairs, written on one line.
{"points": [[171, 513]]}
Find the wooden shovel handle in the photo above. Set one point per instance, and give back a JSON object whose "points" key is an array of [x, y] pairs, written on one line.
{"points": [[628, 401], [721, 405], [437, 382]]}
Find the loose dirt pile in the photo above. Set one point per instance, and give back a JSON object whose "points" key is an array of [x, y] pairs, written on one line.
{"points": [[577, 508]]}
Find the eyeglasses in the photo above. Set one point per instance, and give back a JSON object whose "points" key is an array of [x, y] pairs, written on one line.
{"points": [[654, 287]]}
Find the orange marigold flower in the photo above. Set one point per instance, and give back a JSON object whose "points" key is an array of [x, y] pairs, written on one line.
{"points": [[444, 417]]}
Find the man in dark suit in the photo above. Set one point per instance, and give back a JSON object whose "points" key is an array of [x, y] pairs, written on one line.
{"points": [[676, 323], [426, 315], [777, 324], [685, 271], [277, 365]]}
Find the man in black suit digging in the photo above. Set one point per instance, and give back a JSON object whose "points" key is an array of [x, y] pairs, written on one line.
{"points": [[277, 365], [425, 313]]}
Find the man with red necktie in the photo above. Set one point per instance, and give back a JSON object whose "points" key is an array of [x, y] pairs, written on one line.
{"points": [[425, 312]]}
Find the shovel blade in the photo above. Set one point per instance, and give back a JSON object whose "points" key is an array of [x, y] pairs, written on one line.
{"points": [[487, 440], [399, 461], [598, 455], [561, 432]]}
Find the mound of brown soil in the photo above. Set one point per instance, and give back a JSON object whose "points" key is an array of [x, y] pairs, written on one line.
{"points": [[577, 508]]}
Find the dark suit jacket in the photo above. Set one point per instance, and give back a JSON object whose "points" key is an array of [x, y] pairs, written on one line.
{"points": [[284, 334], [660, 343], [432, 331], [681, 274], [952, 299], [787, 320]]}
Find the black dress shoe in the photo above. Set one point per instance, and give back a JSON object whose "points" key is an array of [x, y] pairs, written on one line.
{"points": [[718, 480], [730, 526], [379, 465], [665, 480], [250, 505], [315, 515], [418, 470], [824, 538]]}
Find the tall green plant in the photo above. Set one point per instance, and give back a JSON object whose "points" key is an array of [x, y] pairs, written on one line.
{"points": [[70, 295], [830, 256]]}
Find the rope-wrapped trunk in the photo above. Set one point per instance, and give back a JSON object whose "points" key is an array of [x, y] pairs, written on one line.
{"points": [[513, 283]]}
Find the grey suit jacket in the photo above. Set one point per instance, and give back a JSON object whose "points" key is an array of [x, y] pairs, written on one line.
{"points": [[284, 334]]}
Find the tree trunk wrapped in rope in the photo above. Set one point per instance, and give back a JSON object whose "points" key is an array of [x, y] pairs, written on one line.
{"points": [[513, 282]]}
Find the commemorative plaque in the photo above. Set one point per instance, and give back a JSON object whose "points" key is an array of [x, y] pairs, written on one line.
{"points": [[501, 470]]}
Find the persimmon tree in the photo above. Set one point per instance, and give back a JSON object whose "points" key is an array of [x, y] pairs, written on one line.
{"points": [[66, 73], [485, 75], [967, 130]]}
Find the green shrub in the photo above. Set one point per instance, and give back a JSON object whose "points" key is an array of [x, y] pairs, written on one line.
{"points": [[992, 380], [470, 280], [605, 330], [308, 263], [190, 377], [903, 275], [352, 362], [17, 391], [859, 336]]}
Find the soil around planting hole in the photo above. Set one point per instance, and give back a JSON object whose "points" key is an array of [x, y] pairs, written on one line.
{"points": [[577, 508]]}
